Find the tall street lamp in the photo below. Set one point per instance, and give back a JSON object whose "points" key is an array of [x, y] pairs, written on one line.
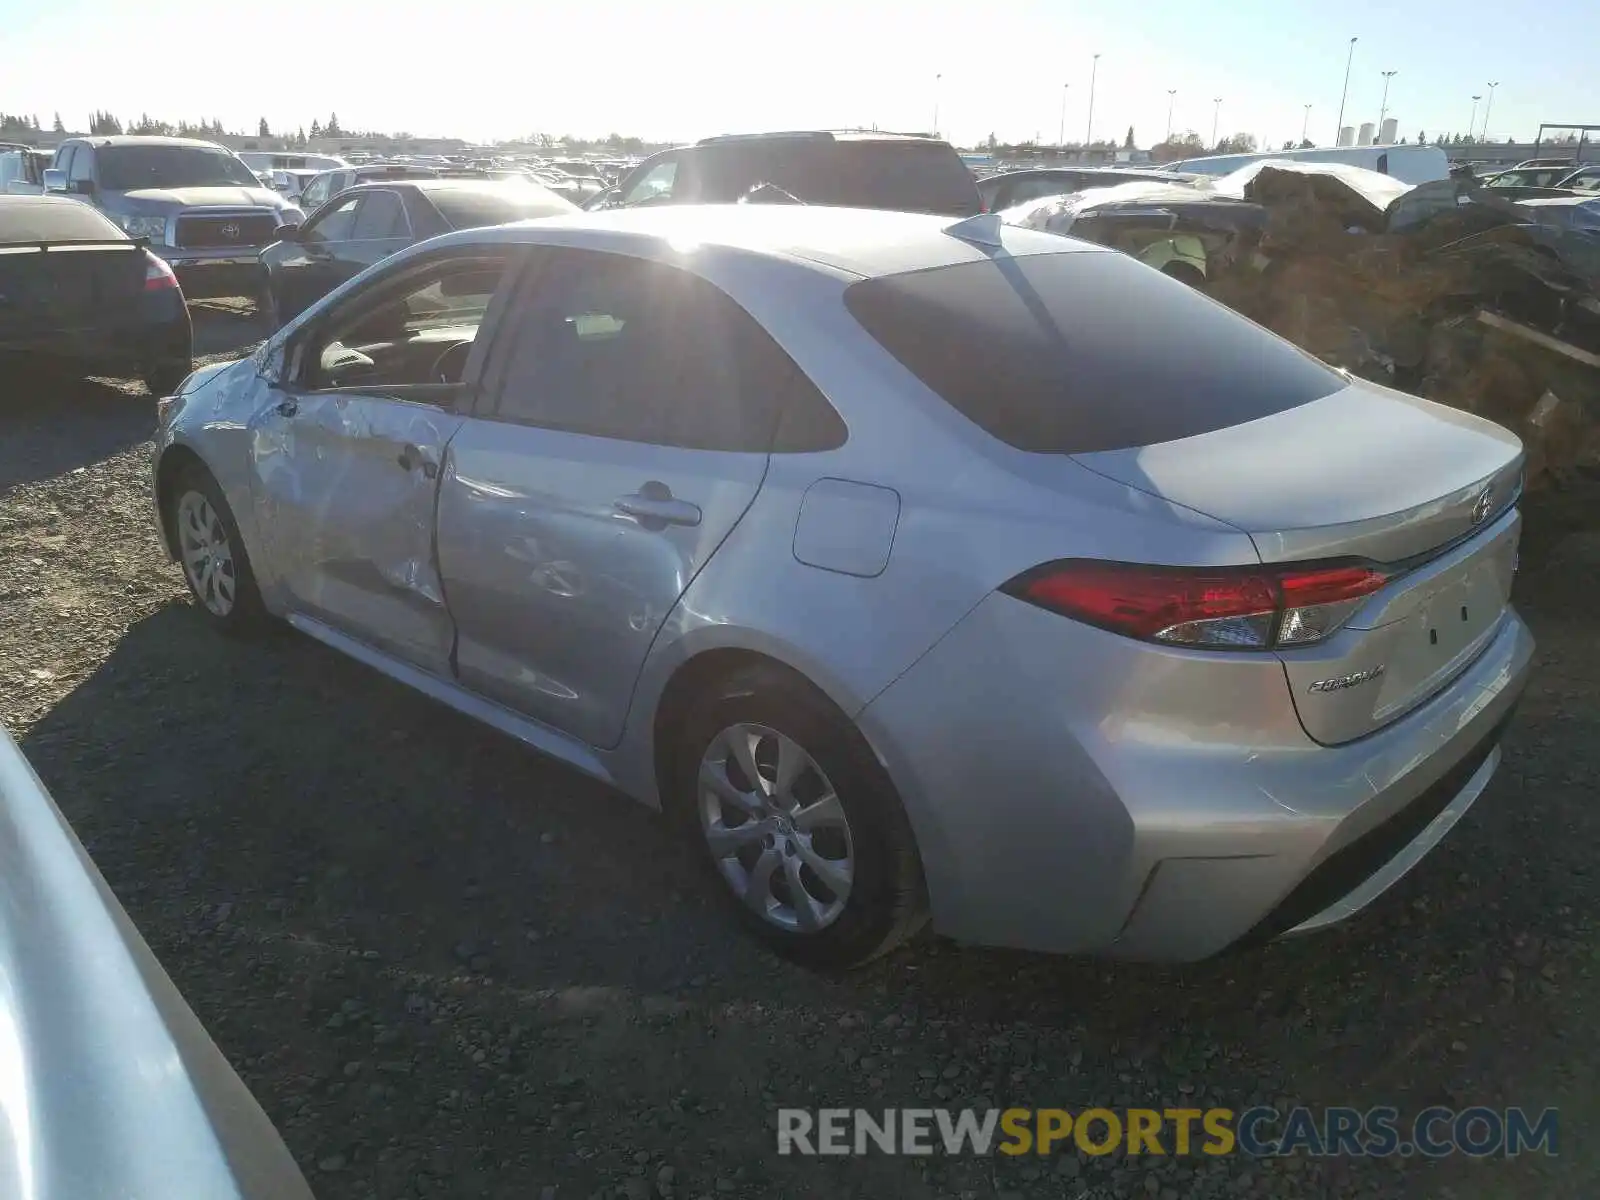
{"points": [[1216, 115], [1349, 58], [1061, 133], [936, 80], [1305, 125], [1088, 133], [1489, 108], [1383, 109], [1472, 122], [1172, 98]]}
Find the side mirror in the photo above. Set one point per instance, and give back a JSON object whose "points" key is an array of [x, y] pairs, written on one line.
{"points": [[287, 233], [55, 179]]}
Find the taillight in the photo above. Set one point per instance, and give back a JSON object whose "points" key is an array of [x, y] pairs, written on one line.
{"points": [[1217, 608], [158, 277]]}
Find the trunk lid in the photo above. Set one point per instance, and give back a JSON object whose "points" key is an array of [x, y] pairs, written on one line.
{"points": [[66, 288], [1368, 473]]}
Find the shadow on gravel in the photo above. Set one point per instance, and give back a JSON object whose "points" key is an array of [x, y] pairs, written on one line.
{"points": [[295, 834], [50, 425]]}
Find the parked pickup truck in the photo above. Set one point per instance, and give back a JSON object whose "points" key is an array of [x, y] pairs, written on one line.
{"points": [[22, 169], [77, 292], [196, 204]]}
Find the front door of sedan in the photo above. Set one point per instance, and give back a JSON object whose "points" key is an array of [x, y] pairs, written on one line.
{"points": [[348, 455], [628, 430]]}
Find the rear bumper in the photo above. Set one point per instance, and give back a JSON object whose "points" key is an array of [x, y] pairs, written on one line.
{"points": [[160, 332], [1074, 791]]}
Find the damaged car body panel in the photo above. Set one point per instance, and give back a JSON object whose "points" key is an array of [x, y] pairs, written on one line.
{"points": [[346, 484], [1180, 230]]}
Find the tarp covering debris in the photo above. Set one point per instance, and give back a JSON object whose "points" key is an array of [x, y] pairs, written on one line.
{"points": [[1477, 301]]}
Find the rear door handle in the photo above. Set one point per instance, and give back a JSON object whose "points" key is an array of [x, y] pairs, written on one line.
{"points": [[658, 510]]}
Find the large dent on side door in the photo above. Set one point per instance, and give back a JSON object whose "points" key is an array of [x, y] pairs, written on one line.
{"points": [[339, 500]]}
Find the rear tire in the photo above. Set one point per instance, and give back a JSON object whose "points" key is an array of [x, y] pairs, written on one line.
{"points": [[163, 379], [212, 555], [831, 884]]}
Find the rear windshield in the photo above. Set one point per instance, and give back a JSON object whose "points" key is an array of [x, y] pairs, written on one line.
{"points": [[25, 219], [926, 177], [126, 168], [473, 208], [1083, 351]]}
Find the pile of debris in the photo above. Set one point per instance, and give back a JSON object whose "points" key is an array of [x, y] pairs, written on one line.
{"points": [[1444, 289]]}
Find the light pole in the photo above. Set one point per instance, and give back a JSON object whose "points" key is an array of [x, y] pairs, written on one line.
{"points": [[1088, 133], [1472, 122], [1349, 58], [1305, 125], [1061, 133], [1489, 108], [1383, 109], [1172, 98], [1216, 116], [936, 79]]}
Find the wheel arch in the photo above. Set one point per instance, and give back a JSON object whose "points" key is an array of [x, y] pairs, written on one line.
{"points": [[175, 461]]}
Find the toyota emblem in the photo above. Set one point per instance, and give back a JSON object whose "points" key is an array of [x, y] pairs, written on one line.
{"points": [[1482, 506], [231, 231]]}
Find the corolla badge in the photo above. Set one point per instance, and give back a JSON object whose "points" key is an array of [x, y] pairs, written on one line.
{"points": [[1340, 682], [1482, 506]]}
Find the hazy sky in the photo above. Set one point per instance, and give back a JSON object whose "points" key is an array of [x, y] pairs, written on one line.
{"points": [[486, 69]]}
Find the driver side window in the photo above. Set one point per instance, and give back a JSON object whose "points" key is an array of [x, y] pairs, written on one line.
{"points": [[415, 328], [656, 186], [334, 225]]}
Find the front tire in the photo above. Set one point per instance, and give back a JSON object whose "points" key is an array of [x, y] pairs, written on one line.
{"points": [[163, 379], [212, 555], [798, 821]]}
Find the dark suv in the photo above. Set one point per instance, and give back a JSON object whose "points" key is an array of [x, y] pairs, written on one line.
{"points": [[903, 172]]}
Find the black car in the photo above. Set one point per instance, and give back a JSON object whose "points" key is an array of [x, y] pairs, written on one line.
{"points": [[1007, 190], [371, 221], [78, 292], [901, 172]]}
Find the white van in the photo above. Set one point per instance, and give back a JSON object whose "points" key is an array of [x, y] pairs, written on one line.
{"points": [[1408, 164]]}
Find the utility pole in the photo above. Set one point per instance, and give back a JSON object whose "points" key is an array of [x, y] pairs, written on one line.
{"points": [[1088, 133], [1383, 109], [1349, 58], [936, 79], [1216, 115], [1489, 108], [1172, 98], [1305, 125], [1472, 122], [1061, 133]]}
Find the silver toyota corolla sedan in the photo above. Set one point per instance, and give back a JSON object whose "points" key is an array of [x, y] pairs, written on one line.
{"points": [[915, 568]]}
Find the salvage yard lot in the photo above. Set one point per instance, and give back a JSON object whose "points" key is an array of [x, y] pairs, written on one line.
{"points": [[448, 967]]}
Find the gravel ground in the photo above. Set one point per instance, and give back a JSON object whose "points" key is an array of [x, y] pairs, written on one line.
{"points": [[448, 967]]}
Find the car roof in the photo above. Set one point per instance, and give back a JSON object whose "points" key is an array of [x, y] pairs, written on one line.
{"points": [[846, 242], [126, 139]]}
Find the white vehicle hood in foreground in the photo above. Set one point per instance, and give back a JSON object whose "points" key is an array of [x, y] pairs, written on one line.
{"points": [[110, 1088]]}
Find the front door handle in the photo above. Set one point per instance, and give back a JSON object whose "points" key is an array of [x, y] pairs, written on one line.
{"points": [[287, 407], [656, 506], [411, 457]]}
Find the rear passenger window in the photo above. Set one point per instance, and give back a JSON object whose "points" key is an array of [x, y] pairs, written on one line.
{"points": [[617, 347]]}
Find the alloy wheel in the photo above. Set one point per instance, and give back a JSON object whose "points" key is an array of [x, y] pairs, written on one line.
{"points": [[206, 553], [775, 828]]}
